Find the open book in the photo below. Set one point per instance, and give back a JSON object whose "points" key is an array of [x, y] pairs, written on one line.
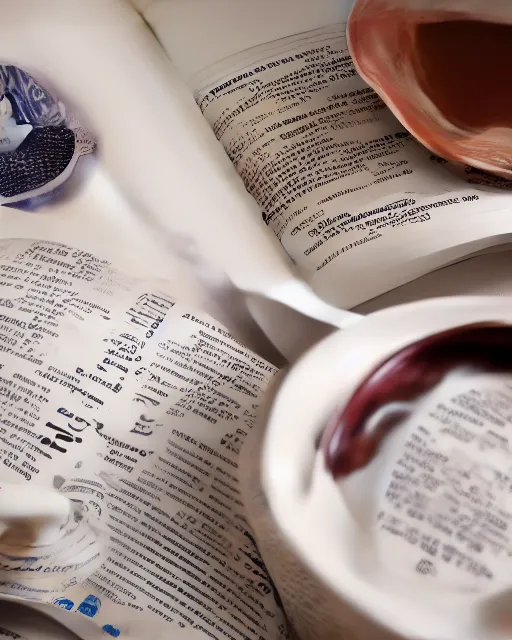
{"points": [[137, 406], [357, 204]]}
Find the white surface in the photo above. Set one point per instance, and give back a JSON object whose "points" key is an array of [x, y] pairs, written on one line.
{"points": [[197, 33]]}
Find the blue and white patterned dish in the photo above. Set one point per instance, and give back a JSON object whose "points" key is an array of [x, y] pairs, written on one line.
{"points": [[40, 144]]}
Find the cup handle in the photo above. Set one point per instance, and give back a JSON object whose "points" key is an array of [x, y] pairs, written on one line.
{"points": [[31, 516]]}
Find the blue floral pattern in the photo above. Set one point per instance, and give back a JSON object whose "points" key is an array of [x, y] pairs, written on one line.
{"points": [[32, 103]]}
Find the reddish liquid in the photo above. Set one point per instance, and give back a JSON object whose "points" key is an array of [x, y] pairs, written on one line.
{"points": [[347, 443], [464, 67]]}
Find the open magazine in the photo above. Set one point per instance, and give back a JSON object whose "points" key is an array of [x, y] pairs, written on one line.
{"points": [[137, 407]]}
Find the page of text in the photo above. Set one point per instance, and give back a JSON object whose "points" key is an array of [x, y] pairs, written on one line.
{"points": [[349, 193], [136, 409]]}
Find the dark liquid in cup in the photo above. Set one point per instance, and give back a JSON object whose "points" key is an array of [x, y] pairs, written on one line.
{"points": [[464, 67], [352, 440]]}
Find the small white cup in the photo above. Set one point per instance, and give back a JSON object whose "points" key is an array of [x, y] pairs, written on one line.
{"points": [[31, 515]]}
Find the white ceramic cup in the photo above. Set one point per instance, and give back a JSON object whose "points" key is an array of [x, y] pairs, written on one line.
{"points": [[31, 515], [316, 516]]}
